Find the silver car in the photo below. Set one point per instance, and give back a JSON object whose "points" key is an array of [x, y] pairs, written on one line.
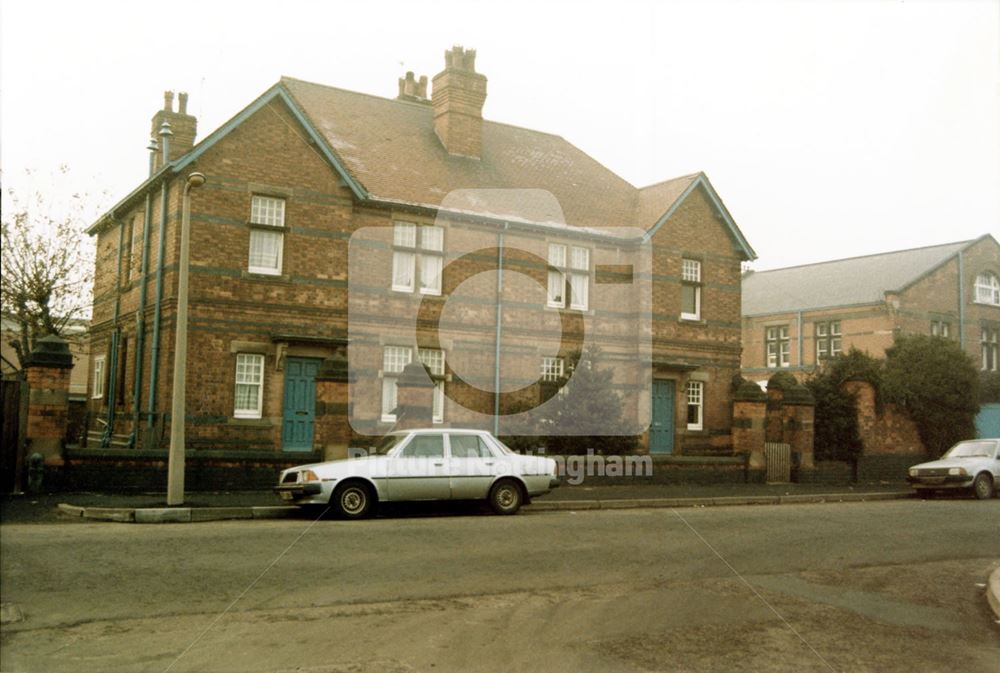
{"points": [[425, 464], [973, 465]]}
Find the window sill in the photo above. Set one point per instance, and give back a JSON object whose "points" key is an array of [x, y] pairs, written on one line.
{"points": [[256, 275], [581, 311], [692, 321], [250, 422]]}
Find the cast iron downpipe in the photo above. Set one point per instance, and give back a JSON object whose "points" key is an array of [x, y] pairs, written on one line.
{"points": [[112, 368], [140, 324], [157, 310], [961, 299], [496, 358]]}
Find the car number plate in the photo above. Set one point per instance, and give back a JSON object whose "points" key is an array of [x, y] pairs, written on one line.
{"points": [[285, 495]]}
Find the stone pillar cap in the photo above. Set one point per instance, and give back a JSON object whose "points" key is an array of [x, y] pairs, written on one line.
{"points": [[50, 351]]}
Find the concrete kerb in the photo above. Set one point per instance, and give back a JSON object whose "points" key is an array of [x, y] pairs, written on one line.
{"points": [[993, 591], [195, 514]]}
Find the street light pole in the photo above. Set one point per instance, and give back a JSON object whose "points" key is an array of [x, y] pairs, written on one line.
{"points": [[175, 465]]}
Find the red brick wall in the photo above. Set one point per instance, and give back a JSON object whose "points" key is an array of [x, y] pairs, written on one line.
{"points": [[232, 310], [885, 432]]}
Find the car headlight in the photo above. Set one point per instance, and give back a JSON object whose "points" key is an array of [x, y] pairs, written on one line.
{"points": [[957, 471], [914, 471]]}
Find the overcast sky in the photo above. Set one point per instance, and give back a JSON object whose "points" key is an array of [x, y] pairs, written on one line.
{"points": [[830, 129]]}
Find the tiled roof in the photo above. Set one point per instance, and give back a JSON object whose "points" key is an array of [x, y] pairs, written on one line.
{"points": [[842, 282], [387, 150], [390, 147]]}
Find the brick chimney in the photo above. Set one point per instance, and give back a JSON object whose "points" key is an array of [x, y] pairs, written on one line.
{"points": [[458, 96], [183, 127], [413, 90]]}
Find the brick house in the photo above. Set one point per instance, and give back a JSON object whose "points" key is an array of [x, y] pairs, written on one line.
{"points": [[304, 177], [794, 317]]}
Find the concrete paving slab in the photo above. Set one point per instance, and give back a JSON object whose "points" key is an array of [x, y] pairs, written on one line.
{"points": [[163, 515], [220, 513], [70, 510], [118, 514]]}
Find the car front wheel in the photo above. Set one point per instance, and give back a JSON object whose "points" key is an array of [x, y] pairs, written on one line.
{"points": [[352, 500], [506, 497], [983, 486]]}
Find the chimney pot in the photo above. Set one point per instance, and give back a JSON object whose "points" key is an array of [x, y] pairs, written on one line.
{"points": [[410, 89], [176, 131]]}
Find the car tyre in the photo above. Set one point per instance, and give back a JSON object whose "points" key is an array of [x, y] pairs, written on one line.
{"points": [[982, 487], [506, 497], [353, 500]]}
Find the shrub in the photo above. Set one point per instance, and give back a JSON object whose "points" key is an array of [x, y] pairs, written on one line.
{"points": [[936, 383], [836, 427], [989, 387], [593, 408]]}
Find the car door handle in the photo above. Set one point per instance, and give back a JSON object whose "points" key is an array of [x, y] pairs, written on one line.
{"points": [[488, 462], [438, 464]]}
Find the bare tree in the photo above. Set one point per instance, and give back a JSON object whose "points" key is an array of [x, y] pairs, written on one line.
{"points": [[47, 266]]}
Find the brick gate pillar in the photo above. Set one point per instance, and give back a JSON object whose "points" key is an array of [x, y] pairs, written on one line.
{"points": [[749, 416], [775, 423], [800, 413], [333, 417], [47, 372], [414, 398]]}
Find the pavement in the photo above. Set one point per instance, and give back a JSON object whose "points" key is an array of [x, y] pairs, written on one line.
{"points": [[205, 506]]}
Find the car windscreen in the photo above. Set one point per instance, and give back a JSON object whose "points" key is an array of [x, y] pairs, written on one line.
{"points": [[386, 444], [971, 450]]}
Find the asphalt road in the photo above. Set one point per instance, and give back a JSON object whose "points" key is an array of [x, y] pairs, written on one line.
{"points": [[886, 586]]}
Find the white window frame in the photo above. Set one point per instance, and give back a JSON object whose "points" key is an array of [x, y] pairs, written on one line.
{"points": [[100, 367], [695, 391], [990, 346], [828, 337], [941, 328], [987, 289], [394, 360], [417, 250], [267, 219], [556, 293], [691, 277], [393, 366], [552, 369], [435, 365], [569, 273], [778, 336], [251, 364]]}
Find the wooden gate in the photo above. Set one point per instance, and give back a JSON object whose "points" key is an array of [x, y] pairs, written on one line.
{"points": [[778, 458]]}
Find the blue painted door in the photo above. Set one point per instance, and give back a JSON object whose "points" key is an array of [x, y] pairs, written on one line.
{"points": [[661, 430], [988, 421], [300, 404]]}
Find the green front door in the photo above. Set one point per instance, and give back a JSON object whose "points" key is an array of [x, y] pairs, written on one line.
{"points": [[300, 404], [661, 430]]}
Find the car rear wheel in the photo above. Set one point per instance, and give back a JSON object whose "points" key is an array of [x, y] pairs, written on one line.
{"points": [[983, 486], [352, 500], [506, 497]]}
